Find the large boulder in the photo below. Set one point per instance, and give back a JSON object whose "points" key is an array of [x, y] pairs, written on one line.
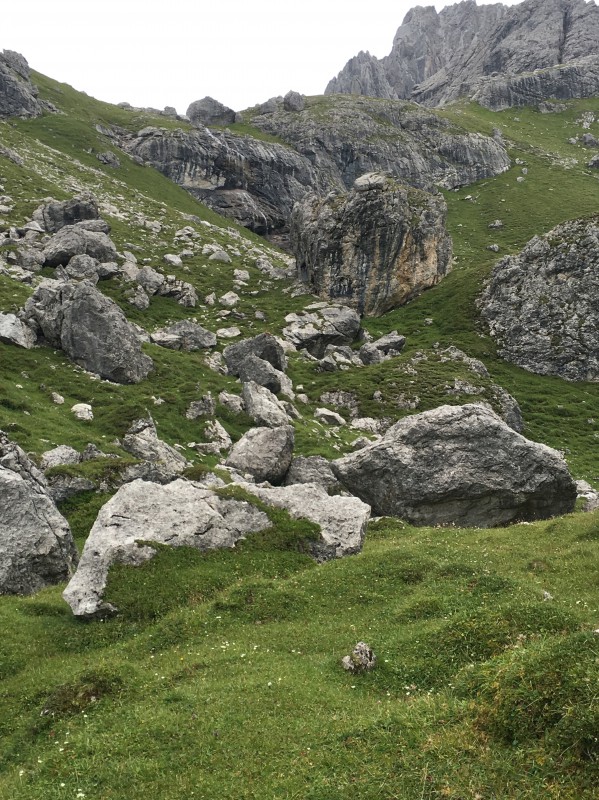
{"points": [[90, 328], [342, 520], [209, 111], [180, 514], [75, 240], [264, 346], [374, 248], [542, 305], [36, 545], [321, 325], [458, 465], [53, 215], [312, 469], [263, 453], [261, 372], [262, 406]]}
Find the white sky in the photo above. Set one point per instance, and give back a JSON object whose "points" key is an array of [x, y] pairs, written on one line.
{"points": [[173, 52]]}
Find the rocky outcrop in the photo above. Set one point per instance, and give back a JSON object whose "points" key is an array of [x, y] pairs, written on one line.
{"points": [[75, 240], [90, 328], [264, 346], [458, 465], [325, 146], [263, 453], [499, 56], [542, 306], [180, 514], [36, 545], [374, 248], [18, 96]]}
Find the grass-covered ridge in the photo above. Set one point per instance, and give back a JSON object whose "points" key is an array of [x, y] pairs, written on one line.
{"points": [[221, 676]]}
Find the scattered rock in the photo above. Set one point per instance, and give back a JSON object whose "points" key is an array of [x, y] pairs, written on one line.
{"points": [[13, 331], [361, 659], [312, 469], [184, 335], [264, 346], [141, 440], [262, 406], [321, 325], [328, 417], [263, 453], [83, 411], [63, 454]]}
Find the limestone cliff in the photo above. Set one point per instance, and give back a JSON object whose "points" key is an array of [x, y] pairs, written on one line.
{"points": [[18, 96], [439, 56], [374, 248], [325, 146]]}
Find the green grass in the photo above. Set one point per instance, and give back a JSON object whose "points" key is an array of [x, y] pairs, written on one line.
{"points": [[232, 675]]}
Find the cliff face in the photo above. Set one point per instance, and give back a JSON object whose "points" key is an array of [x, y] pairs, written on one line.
{"points": [[542, 306], [325, 146], [374, 248], [438, 57]]}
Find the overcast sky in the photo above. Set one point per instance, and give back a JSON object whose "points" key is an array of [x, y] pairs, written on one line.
{"points": [[173, 52]]}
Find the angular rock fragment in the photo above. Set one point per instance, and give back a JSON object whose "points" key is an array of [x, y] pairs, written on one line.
{"points": [[263, 453]]}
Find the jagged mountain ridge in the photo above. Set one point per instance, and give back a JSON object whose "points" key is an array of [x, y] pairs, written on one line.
{"points": [[479, 52]]}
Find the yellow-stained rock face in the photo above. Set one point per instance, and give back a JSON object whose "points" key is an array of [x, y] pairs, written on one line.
{"points": [[375, 248]]}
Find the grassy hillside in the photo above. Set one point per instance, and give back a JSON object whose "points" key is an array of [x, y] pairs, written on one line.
{"points": [[221, 676]]}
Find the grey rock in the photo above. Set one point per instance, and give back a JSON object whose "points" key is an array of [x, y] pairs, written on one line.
{"points": [[18, 96], [56, 214], [109, 158], [209, 111], [13, 331], [342, 520], [201, 408], [36, 545], [594, 162], [73, 240], [221, 256], [328, 417], [392, 342], [312, 469], [141, 440], [82, 268], [150, 280], [458, 465], [263, 453], [181, 291], [373, 250], [542, 306], [370, 354], [63, 454], [322, 325], [217, 436], [63, 487], [590, 496], [257, 182], [90, 328], [107, 270], [83, 411], [184, 335], [263, 406], [261, 372], [231, 401], [361, 659], [294, 101], [264, 346], [179, 514], [138, 298]]}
